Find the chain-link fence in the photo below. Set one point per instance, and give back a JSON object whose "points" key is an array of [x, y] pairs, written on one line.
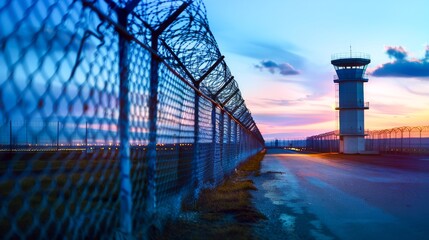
{"points": [[286, 143], [325, 142], [112, 113], [399, 140], [403, 140]]}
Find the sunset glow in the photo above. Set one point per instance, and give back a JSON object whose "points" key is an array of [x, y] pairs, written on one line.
{"points": [[280, 52]]}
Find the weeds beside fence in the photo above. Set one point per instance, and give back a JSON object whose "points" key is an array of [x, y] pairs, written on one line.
{"points": [[112, 113], [408, 140]]}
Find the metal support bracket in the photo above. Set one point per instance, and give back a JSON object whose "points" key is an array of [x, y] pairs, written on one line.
{"points": [[230, 97], [237, 107], [211, 69], [223, 87]]}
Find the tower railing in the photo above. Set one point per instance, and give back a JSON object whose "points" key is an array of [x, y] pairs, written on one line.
{"points": [[352, 105], [337, 56]]}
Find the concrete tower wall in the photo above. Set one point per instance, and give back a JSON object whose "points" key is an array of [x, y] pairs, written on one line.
{"points": [[353, 144], [352, 122], [351, 95]]}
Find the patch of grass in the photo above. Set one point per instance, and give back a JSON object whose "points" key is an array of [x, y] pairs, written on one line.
{"points": [[253, 164], [223, 212]]}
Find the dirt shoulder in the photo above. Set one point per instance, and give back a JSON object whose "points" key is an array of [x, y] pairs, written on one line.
{"points": [[225, 212]]}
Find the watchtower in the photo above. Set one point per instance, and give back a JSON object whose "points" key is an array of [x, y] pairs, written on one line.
{"points": [[350, 68]]}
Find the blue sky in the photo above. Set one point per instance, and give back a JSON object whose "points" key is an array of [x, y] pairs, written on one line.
{"points": [[279, 52]]}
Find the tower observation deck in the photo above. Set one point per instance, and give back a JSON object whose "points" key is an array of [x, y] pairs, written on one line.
{"points": [[350, 77]]}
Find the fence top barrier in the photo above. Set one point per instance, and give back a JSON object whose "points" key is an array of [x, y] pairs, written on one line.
{"points": [[337, 56]]}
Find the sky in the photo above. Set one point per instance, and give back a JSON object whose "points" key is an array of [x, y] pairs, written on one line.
{"points": [[280, 51]]}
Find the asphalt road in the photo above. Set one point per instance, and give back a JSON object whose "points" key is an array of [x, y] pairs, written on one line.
{"points": [[323, 196]]}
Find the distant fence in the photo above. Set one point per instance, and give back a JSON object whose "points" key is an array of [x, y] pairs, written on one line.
{"points": [[286, 143], [51, 136], [112, 113], [407, 140], [325, 142], [399, 140]]}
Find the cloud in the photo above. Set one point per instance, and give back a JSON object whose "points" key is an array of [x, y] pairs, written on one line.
{"points": [[390, 109], [421, 90], [267, 50], [398, 53], [401, 65], [276, 102], [284, 69], [427, 53], [299, 119]]}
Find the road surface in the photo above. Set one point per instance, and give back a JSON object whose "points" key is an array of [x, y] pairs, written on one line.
{"points": [[323, 196]]}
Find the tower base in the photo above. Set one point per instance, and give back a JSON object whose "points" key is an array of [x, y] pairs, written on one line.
{"points": [[352, 144]]}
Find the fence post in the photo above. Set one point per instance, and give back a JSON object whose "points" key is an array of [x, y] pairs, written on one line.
{"points": [[234, 142], [197, 181], [214, 144], [153, 108], [240, 142], [125, 194], [409, 141], [10, 135], [402, 141], [420, 138], [390, 142], [86, 136], [26, 134], [58, 135], [221, 139], [380, 143], [228, 146]]}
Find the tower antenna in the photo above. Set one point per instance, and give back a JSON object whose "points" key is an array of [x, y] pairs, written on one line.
{"points": [[350, 50]]}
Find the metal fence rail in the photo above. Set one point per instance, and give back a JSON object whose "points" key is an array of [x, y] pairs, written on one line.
{"points": [[407, 140], [111, 114]]}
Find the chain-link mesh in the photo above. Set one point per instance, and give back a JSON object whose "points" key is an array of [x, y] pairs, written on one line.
{"points": [[111, 113]]}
